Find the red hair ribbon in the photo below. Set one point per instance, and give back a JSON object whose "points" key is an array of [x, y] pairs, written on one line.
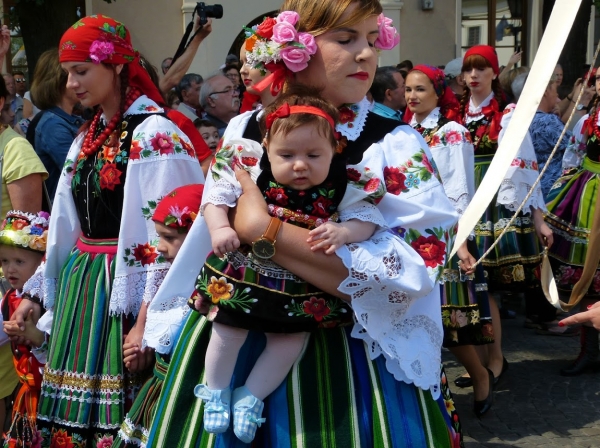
{"points": [[285, 110], [276, 79]]}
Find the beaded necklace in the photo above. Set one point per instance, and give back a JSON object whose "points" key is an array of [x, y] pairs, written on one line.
{"points": [[594, 124], [91, 145]]}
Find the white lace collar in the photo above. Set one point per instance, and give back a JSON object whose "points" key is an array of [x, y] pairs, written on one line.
{"points": [[142, 105], [475, 112], [430, 121], [353, 127]]}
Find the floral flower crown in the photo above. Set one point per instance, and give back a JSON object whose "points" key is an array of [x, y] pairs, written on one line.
{"points": [[25, 230]]}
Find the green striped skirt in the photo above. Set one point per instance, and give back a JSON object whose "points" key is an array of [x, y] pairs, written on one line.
{"points": [[84, 389], [334, 396], [571, 204], [514, 262]]}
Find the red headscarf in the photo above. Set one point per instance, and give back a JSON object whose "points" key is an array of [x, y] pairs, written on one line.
{"points": [[99, 39], [179, 208], [486, 52], [447, 101]]}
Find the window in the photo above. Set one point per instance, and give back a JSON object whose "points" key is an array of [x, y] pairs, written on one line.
{"points": [[474, 36]]}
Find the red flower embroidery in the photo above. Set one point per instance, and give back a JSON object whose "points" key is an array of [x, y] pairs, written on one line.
{"points": [[317, 308], [431, 249], [135, 151], [427, 164], [249, 161], [372, 185], [162, 143], [394, 180], [277, 195], [265, 29], [188, 148], [321, 206], [60, 439], [435, 140], [453, 137], [110, 177], [346, 115], [105, 442], [109, 153], [480, 131], [145, 254], [151, 108], [353, 175]]}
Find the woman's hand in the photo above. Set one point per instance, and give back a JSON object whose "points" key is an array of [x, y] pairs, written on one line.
{"points": [[467, 261], [26, 310], [544, 232], [592, 315], [250, 218], [135, 358], [516, 57]]}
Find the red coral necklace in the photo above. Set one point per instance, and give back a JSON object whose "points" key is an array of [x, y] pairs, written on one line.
{"points": [[91, 145]]}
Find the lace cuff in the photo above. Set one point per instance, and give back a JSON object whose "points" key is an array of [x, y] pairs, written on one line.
{"points": [[34, 286], [363, 211], [163, 326], [49, 291], [222, 193], [386, 279], [129, 290]]}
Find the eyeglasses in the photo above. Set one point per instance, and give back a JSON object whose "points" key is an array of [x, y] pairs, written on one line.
{"points": [[19, 80], [230, 90]]}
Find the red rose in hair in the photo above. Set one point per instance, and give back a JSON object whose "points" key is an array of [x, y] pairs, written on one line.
{"points": [[145, 254], [317, 308], [431, 249], [394, 180], [265, 29], [110, 176], [353, 175]]}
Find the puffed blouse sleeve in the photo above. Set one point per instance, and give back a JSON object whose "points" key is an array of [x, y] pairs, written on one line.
{"points": [[522, 173], [393, 276], [576, 147]]}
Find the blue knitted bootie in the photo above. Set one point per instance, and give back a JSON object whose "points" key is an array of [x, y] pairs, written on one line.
{"points": [[247, 411], [216, 408]]}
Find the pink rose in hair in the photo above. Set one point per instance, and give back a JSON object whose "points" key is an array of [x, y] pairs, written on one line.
{"points": [[308, 41], [296, 59], [284, 32], [290, 17], [388, 36], [101, 50]]}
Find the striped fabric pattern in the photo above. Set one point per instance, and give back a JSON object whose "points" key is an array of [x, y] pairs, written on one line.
{"points": [[334, 396]]}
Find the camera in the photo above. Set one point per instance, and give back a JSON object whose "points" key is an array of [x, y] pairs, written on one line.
{"points": [[205, 11]]}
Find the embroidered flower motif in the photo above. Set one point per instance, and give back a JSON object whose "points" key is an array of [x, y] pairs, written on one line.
{"points": [[316, 307], [388, 36], [353, 175], [518, 273], [321, 207], [394, 180], [372, 185], [453, 137], [110, 176], [347, 115], [427, 164], [36, 440], [458, 319], [135, 150], [431, 249], [277, 195], [249, 161], [101, 50], [162, 143], [146, 254], [219, 289], [109, 153], [105, 442], [60, 439]]}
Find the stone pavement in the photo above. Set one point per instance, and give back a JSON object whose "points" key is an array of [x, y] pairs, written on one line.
{"points": [[533, 405]]}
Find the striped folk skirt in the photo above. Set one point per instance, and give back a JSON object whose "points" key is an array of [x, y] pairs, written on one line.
{"points": [[334, 396], [514, 263], [84, 388], [571, 204]]}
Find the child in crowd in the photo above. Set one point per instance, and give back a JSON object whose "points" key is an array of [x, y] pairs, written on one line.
{"points": [[22, 247], [209, 133], [302, 175], [173, 217]]}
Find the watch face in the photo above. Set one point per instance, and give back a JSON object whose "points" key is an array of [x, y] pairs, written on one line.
{"points": [[263, 248]]}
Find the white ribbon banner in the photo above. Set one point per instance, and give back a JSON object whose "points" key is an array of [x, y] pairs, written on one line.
{"points": [[555, 36]]}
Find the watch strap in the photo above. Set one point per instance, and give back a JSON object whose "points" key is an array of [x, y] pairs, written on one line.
{"points": [[272, 229]]}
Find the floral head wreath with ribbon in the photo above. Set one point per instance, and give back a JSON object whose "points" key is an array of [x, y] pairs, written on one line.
{"points": [[447, 102], [25, 230], [179, 208], [275, 45], [285, 110]]}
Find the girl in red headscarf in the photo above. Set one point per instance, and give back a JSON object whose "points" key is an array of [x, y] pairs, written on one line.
{"points": [[432, 107], [514, 262], [103, 264]]}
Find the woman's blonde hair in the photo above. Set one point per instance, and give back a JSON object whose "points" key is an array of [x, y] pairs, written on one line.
{"points": [[319, 16], [49, 80]]}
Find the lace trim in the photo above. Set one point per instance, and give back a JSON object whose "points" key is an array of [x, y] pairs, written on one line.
{"points": [[221, 192], [460, 203], [568, 236], [133, 434], [35, 285], [263, 267], [363, 211], [129, 290], [163, 326], [49, 291], [512, 196], [386, 279], [353, 132], [60, 421]]}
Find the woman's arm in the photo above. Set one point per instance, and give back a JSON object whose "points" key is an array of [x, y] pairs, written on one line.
{"points": [[26, 193], [250, 219]]}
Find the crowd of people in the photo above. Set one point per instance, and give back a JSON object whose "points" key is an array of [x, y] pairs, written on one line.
{"points": [[256, 256]]}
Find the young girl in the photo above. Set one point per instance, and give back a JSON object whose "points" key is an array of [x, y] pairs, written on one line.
{"points": [[173, 217], [22, 246], [304, 181]]}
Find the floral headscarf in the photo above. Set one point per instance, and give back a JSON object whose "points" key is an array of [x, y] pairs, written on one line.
{"points": [[25, 230], [447, 102], [100, 39], [179, 208]]}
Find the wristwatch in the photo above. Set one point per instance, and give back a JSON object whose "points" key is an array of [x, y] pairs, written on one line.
{"points": [[581, 107], [264, 247]]}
